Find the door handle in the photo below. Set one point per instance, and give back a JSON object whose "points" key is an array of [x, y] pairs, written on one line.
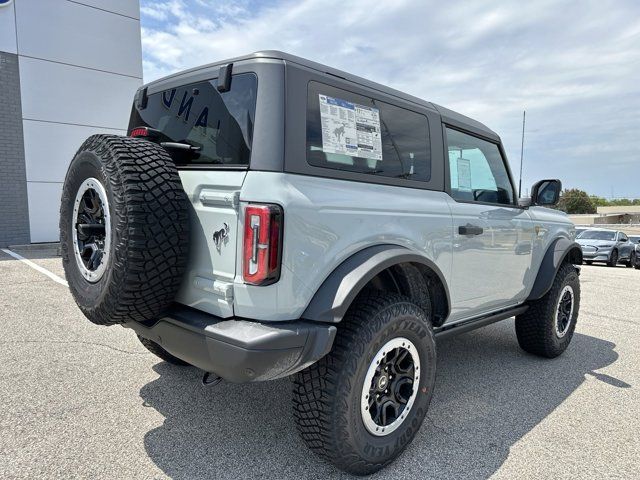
{"points": [[469, 229]]}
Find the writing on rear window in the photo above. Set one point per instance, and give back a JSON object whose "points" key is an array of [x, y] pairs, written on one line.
{"points": [[219, 125]]}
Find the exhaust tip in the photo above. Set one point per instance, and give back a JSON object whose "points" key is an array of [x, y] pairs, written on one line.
{"points": [[211, 379]]}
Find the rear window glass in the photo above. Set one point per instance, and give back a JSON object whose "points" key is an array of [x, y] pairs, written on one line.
{"points": [[356, 133], [220, 124]]}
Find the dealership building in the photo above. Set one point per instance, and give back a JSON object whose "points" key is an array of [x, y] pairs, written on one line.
{"points": [[68, 69]]}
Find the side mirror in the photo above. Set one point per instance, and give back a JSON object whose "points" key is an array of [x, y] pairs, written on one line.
{"points": [[546, 193]]}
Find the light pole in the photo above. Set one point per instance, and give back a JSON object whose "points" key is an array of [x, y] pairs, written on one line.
{"points": [[524, 113]]}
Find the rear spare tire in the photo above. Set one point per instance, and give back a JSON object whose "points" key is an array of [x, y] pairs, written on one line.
{"points": [[124, 226]]}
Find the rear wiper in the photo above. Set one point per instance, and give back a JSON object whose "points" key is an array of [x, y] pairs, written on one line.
{"points": [[180, 146]]}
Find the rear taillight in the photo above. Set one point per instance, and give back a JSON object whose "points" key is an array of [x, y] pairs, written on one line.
{"points": [[262, 244], [145, 132], [139, 132]]}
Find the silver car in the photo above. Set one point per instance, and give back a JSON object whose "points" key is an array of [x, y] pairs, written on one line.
{"points": [[608, 246]]}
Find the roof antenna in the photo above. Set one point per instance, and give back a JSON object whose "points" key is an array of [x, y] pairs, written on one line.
{"points": [[524, 113]]}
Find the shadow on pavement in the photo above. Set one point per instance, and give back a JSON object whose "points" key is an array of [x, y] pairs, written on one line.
{"points": [[489, 394]]}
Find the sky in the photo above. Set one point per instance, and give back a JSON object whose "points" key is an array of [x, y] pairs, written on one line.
{"points": [[573, 66]]}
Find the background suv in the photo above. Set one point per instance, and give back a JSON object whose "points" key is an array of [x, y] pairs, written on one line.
{"points": [[605, 245]]}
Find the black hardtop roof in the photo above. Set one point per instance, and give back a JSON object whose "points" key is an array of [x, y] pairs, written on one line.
{"points": [[449, 116]]}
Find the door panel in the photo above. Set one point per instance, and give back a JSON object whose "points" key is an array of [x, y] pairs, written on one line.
{"points": [[489, 268], [493, 239]]}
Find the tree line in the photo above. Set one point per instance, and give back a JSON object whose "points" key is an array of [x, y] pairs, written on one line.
{"points": [[576, 201]]}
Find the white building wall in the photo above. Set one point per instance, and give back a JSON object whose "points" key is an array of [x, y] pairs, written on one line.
{"points": [[8, 29], [80, 65]]}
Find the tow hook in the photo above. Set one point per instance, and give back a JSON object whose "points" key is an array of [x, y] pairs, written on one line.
{"points": [[211, 379]]}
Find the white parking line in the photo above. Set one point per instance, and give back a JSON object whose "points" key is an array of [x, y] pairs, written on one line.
{"points": [[49, 274]]}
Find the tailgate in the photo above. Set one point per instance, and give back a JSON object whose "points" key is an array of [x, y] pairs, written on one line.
{"points": [[208, 282], [207, 129]]}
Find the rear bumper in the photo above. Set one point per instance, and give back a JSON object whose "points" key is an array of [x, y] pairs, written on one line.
{"points": [[239, 350]]}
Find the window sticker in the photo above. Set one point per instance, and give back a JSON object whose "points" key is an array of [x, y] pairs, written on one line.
{"points": [[350, 129], [464, 174]]}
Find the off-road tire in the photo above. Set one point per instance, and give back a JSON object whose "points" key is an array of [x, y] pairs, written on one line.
{"points": [[412, 285], [327, 395], [536, 328], [149, 220], [613, 259], [160, 352]]}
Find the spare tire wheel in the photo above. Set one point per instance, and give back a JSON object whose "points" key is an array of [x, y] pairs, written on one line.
{"points": [[124, 229]]}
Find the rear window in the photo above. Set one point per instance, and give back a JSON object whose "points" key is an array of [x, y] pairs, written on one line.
{"points": [[356, 133], [219, 123]]}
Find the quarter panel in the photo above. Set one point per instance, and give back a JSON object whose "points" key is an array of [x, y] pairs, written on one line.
{"points": [[328, 220]]}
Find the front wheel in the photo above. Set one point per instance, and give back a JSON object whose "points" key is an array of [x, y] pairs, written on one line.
{"points": [[546, 328], [613, 259], [362, 404]]}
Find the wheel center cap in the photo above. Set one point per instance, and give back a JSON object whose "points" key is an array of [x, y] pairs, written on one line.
{"points": [[382, 383]]}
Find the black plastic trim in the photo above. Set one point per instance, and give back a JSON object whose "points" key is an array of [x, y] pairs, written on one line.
{"points": [[238, 350], [337, 292], [553, 258], [474, 323]]}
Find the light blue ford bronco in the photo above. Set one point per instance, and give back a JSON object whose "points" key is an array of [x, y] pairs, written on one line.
{"points": [[268, 216]]}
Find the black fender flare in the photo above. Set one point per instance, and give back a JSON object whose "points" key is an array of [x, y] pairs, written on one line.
{"points": [[559, 250], [332, 300]]}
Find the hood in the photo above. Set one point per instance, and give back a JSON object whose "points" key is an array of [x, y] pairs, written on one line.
{"points": [[594, 243]]}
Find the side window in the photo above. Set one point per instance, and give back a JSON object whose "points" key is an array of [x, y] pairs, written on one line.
{"points": [[622, 237], [477, 170], [347, 131]]}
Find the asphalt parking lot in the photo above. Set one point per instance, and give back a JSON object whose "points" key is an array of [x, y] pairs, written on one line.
{"points": [[77, 400]]}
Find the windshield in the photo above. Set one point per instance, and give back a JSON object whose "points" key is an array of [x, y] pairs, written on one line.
{"points": [[597, 235], [218, 124], [634, 239]]}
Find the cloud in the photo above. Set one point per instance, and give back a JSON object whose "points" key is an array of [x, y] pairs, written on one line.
{"points": [[574, 66]]}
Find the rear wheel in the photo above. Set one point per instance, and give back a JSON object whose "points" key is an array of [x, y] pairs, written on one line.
{"points": [[362, 404], [613, 259], [547, 327]]}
